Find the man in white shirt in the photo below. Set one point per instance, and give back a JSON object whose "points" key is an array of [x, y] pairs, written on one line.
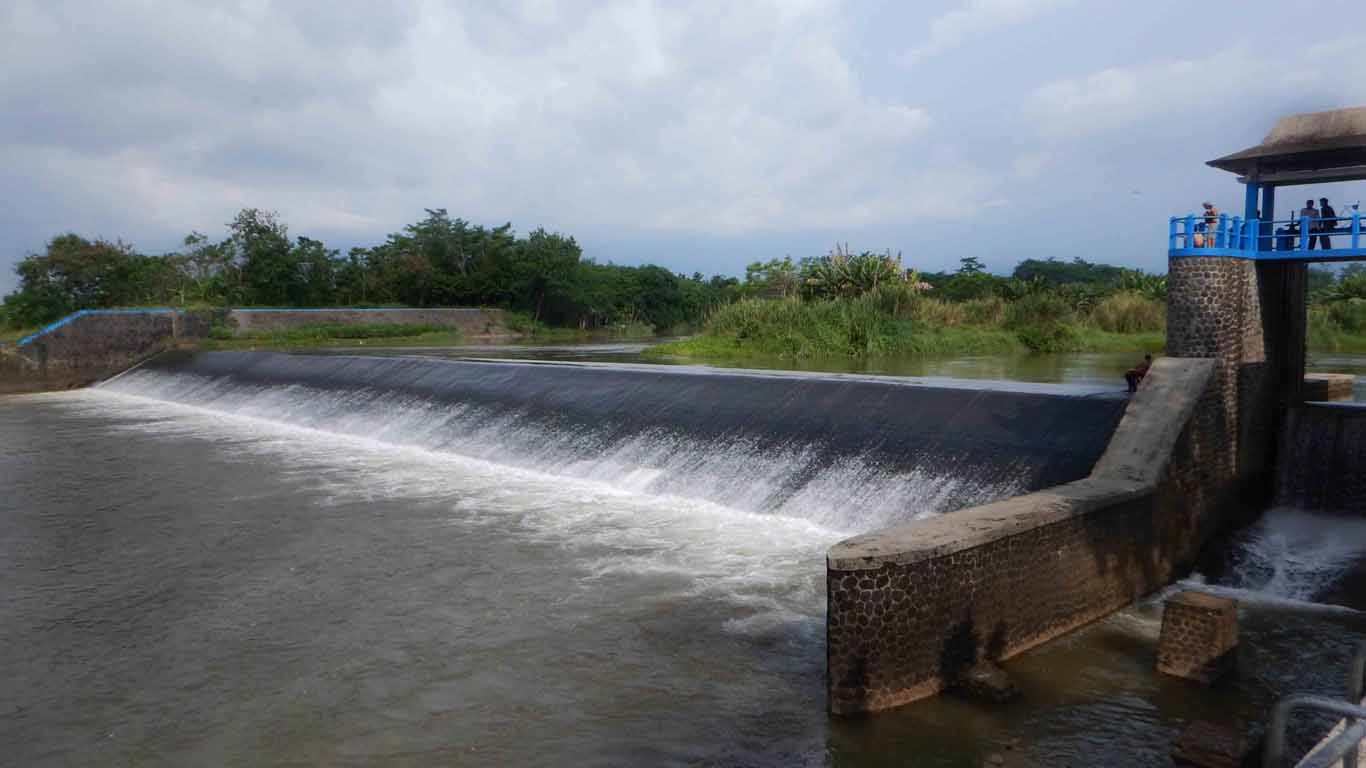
{"points": [[1312, 213]]}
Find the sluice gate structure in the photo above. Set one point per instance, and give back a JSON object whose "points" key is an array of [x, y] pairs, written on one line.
{"points": [[912, 608]]}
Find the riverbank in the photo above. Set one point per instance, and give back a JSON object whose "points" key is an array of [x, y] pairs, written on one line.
{"points": [[334, 335], [889, 326]]}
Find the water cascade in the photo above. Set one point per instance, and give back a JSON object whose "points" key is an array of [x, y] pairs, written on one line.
{"points": [[848, 452]]}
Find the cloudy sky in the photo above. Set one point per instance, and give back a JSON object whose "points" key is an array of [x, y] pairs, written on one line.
{"points": [[698, 135]]}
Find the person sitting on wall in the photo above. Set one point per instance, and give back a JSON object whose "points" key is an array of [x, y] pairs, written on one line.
{"points": [[1134, 375]]}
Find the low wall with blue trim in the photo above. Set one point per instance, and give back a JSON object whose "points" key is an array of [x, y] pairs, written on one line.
{"points": [[93, 344]]}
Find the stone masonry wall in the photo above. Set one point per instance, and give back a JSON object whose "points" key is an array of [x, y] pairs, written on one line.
{"points": [[1199, 636], [1214, 311], [94, 344], [87, 347], [469, 321], [911, 608]]}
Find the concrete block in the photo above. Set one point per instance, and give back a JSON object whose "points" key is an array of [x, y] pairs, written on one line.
{"points": [[1199, 636]]}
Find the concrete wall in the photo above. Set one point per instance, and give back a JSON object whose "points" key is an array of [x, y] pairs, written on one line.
{"points": [[469, 321], [911, 608], [91, 345], [94, 344]]}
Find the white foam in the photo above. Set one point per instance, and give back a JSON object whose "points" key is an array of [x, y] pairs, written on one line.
{"points": [[854, 494], [769, 566]]}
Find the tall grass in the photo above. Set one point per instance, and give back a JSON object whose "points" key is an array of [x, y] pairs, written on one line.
{"points": [[1339, 326], [895, 320], [1129, 312]]}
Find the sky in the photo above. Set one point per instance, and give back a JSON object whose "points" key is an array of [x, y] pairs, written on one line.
{"points": [[696, 135]]}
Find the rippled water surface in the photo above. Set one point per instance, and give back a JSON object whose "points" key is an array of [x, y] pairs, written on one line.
{"points": [[189, 587]]}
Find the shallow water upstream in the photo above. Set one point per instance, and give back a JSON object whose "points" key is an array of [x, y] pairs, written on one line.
{"points": [[187, 586]]}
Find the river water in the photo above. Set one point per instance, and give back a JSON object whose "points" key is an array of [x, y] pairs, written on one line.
{"points": [[185, 586]]}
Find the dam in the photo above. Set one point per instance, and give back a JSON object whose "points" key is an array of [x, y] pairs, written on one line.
{"points": [[245, 557], [373, 556]]}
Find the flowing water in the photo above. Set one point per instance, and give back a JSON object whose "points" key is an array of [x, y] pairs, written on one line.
{"points": [[206, 568]]}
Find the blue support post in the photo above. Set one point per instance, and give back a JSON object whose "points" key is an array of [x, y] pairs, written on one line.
{"points": [[1304, 233], [1266, 240], [1190, 231], [1171, 234], [1356, 229], [1221, 235], [1236, 234], [1250, 199]]}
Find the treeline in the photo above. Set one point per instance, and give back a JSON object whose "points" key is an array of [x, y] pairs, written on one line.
{"points": [[1078, 280], [438, 261]]}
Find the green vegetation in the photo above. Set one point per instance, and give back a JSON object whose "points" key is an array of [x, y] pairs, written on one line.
{"points": [[867, 305], [11, 335], [327, 334], [438, 261], [1337, 309]]}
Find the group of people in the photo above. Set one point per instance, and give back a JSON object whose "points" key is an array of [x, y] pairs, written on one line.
{"points": [[1323, 220]]}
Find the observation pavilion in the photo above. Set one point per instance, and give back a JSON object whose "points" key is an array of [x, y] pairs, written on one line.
{"points": [[1311, 148]]}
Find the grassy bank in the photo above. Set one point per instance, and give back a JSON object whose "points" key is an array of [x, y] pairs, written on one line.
{"points": [[12, 335], [1338, 326], [896, 323], [336, 335]]}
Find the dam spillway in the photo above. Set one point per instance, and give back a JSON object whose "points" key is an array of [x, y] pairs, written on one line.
{"points": [[847, 452]]}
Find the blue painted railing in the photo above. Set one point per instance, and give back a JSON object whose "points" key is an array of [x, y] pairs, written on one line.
{"points": [[1284, 240], [50, 327]]}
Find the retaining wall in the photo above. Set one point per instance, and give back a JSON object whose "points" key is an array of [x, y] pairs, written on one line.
{"points": [[911, 608], [469, 321], [94, 344]]}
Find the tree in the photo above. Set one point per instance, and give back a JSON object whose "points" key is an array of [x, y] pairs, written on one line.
{"points": [[259, 246], [971, 265], [76, 273]]}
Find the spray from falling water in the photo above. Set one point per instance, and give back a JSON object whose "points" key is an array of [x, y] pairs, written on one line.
{"points": [[849, 455]]}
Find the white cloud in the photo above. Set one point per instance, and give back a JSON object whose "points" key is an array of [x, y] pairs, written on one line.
{"points": [[975, 18], [1231, 81], [728, 118]]}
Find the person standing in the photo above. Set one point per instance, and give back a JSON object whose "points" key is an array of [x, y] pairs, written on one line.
{"points": [[1211, 223], [1311, 213], [1327, 223]]}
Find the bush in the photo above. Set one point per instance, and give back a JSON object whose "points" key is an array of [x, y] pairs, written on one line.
{"points": [[934, 313], [1129, 313], [988, 311], [1048, 337], [1038, 310], [1348, 316]]}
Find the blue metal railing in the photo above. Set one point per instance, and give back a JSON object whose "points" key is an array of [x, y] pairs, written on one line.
{"points": [[1200, 235]]}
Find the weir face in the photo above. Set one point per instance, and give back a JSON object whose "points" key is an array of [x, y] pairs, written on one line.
{"points": [[849, 453]]}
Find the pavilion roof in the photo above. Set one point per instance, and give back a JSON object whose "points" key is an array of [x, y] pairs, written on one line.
{"points": [[1305, 149]]}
